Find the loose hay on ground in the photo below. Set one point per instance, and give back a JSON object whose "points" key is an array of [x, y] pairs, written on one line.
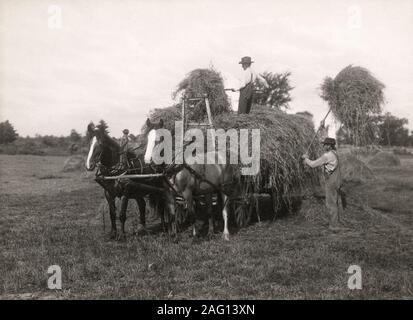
{"points": [[74, 163], [385, 159], [354, 170]]}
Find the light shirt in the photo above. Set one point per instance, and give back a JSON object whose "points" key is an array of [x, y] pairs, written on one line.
{"points": [[230, 81], [329, 160], [248, 76]]}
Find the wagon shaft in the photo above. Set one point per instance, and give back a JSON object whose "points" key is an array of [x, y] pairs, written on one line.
{"points": [[145, 187], [134, 176]]}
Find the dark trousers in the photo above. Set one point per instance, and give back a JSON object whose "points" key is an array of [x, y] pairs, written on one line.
{"points": [[245, 99], [334, 197]]}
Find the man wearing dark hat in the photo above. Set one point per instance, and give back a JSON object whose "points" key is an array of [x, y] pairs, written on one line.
{"points": [[333, 182], [247, 86]]}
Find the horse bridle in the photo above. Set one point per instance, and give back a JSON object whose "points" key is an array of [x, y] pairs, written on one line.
{"points": [[101, 168]]}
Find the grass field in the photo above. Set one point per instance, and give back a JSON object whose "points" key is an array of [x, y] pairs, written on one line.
{"points": [[49, 217]]}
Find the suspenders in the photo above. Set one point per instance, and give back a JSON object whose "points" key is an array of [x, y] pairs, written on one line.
{"points": [[330, 172]]}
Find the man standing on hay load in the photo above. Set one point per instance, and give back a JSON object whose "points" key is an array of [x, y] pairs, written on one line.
{"points": [[333, 182], [246, 88]]}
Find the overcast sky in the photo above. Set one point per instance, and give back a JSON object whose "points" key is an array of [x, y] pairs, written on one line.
{"points": [[116, 60]]}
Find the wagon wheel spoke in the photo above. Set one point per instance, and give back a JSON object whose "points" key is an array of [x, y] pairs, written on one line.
{"points": [[245, 208]]}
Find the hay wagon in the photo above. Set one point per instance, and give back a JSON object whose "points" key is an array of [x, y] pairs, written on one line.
{"points": [[244, 206]]}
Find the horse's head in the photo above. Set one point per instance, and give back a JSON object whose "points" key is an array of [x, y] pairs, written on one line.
{"points": [[103, 149], [95, 148], [150, 133]]}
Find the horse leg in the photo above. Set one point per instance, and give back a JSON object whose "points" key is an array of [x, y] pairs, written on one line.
{"points": [[225, 235], [122, 217], [112, 211], [160, 208], [210, 215], [170, 212], [187, 195], [142, 210]]}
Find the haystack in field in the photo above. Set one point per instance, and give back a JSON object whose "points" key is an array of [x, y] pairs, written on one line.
{"points": [[74, 163], [354, 170], [385, 159], [354, 96]]}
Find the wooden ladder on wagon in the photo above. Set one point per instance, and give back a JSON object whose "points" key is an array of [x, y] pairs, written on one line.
{"points": [[189, 105], [193, 103]]}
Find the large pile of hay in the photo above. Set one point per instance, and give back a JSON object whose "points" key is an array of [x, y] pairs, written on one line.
{"points": [[74, 163], [354, 95], [354, 170], [169, 115], [284, 139], [385, 159], [196, 84], [208, 82]]}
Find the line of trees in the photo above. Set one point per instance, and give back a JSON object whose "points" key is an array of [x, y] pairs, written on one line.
{"points": [[7, 132], [385, 130], [12, 143]]}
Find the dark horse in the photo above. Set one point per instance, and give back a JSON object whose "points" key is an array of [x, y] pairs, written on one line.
{"points": [[105, 153]]}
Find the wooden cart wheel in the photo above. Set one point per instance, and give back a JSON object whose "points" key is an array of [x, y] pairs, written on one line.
{"points": [[274, 203], [180, 214], [279, 206], [244, 206]]}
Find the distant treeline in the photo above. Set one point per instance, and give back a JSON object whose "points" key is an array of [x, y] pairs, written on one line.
{"points": [[74, 143], [388, 130], [385, 130], [47, 145]]}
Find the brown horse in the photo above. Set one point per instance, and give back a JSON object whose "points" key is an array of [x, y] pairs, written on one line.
{"points": [[105, 153], [192, 181]]}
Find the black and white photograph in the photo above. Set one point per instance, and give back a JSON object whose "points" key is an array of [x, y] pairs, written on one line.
{"points": [[224, 151]]}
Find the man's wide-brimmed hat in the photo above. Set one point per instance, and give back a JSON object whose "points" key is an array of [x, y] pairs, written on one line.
{"points": [[125, 131], [246, 60], [329, 141]]}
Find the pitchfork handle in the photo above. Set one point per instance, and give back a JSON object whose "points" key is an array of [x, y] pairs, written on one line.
{"points": [[318, 130]]}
